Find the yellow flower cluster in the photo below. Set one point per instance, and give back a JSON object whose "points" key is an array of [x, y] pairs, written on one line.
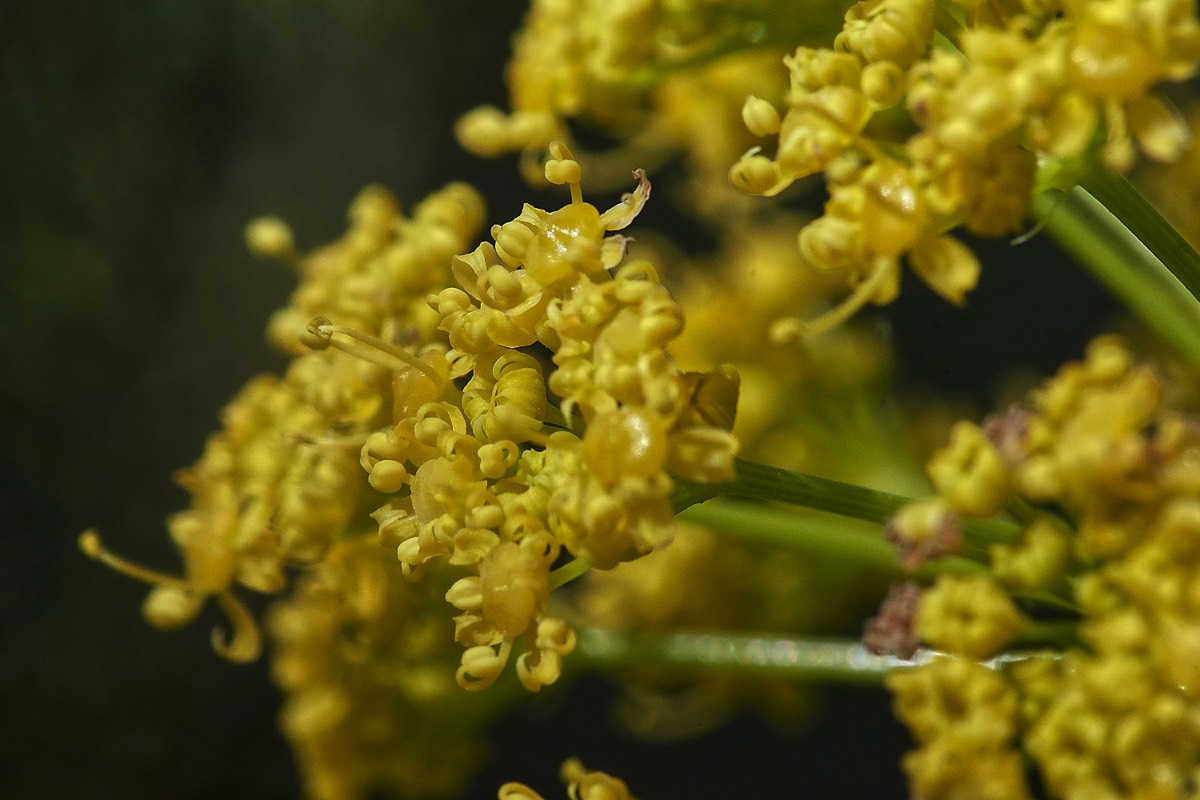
{"points": [[1026, 81], [366, 668], [964, 717], [280, 482], [659, 77], [376, 277], [582, 784], [493, 479], [476, 465], [1117, 715], [480, 427]]}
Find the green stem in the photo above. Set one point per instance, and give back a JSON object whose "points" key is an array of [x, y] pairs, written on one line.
{"points": [[782, 26], [824, 660], [822, 534], [838, 661], [763, 482], [1117, 257], [1059, 633]]}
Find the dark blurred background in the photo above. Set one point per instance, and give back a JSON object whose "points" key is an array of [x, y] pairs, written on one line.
{"points": [[136, 139]]}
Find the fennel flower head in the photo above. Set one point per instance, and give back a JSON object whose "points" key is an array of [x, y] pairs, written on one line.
{"points": [[1115, 713], [431, 403]]}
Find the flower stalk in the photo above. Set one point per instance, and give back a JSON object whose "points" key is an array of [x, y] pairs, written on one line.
{"points": [[820, 534], [823, 660], [756, 481]]}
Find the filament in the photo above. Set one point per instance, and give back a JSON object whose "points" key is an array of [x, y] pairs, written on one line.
{"points": [[90, 544], [852, 303], [367, 347], [245, 643]]}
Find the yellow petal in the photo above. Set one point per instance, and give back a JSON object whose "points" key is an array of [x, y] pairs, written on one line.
{"points": [[947, 266]]}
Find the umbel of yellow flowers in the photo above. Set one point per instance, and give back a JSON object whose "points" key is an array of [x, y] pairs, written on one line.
{"points": [[279, 484], [921, 116], [490, 480], [1120, 716], [446, 402]]}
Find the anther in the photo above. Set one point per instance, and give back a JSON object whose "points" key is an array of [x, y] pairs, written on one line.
{"points": [[761, 118], [270, 237], [560, 170]]}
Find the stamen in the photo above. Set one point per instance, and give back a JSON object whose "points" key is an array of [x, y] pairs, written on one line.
{"points": [[481, 666], [246, 643], [852, 303], [90, 544], [319, 335], [561, 152]]}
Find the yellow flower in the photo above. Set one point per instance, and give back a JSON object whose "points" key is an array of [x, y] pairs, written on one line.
{"points": [[1116, 714], [1118, 49], [376, 277], [895, 31], [268, 490], [970, 474], [924, 530], [972, 617], [1038, 560], [656, 78], [508, 599]]}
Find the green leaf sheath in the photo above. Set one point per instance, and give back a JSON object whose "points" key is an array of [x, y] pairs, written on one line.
{"points": [[1120, 240], [1143, 220]]}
